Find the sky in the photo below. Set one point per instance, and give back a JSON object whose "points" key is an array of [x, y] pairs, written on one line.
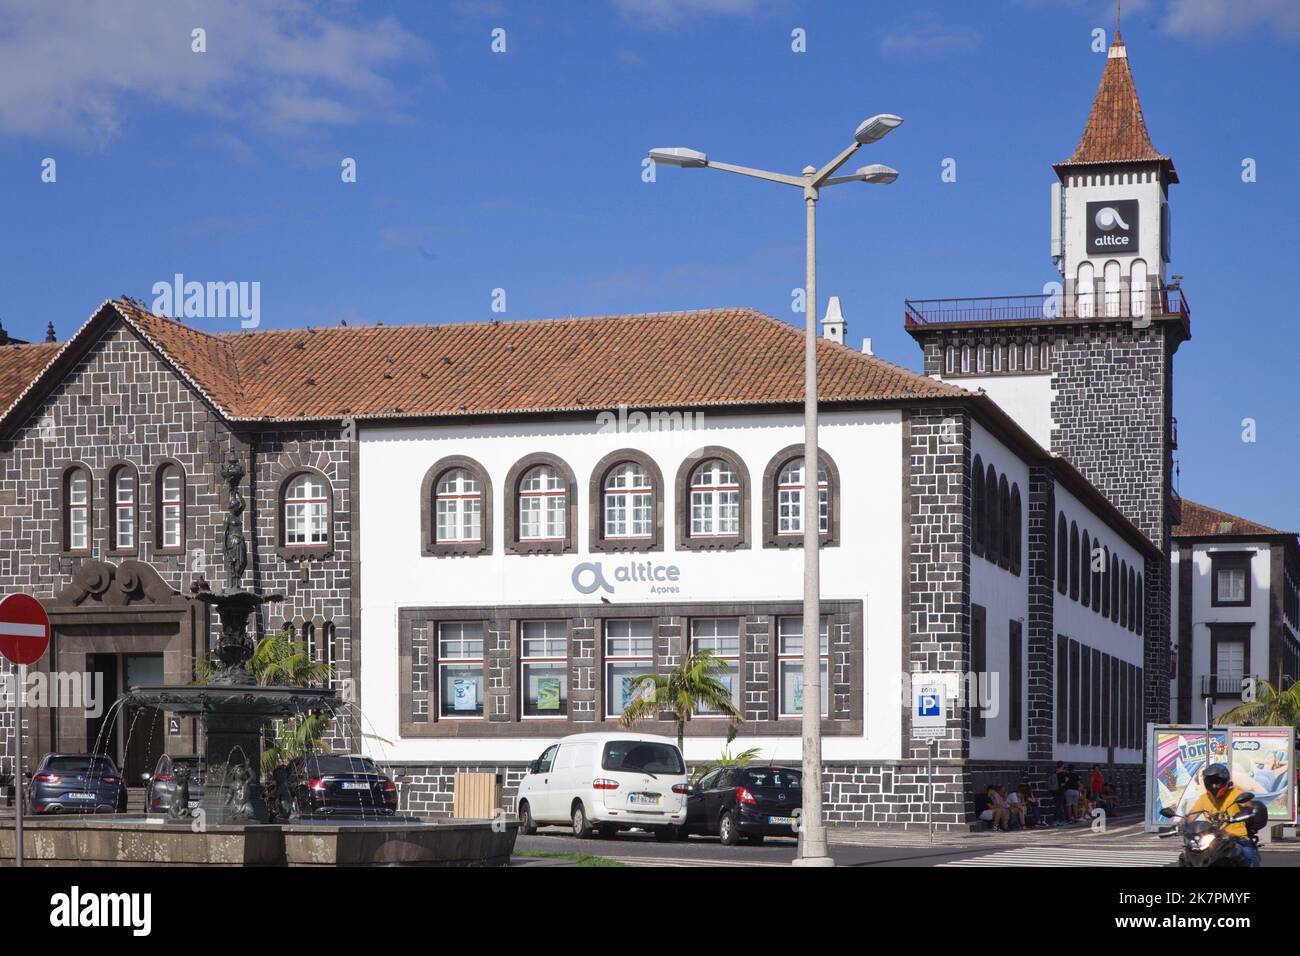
{"points": [[499, 147]]}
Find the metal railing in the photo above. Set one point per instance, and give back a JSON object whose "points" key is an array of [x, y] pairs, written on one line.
{"points": [[1047, 307], [1214, 685]]}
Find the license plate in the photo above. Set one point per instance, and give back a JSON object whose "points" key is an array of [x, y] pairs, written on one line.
{"points": [[356, 786], [193, 804], [644, 799], [81, 796], [782, 821]]}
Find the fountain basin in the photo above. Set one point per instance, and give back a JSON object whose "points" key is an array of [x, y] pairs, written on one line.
{"points": [[237, 700], [134, 840]]}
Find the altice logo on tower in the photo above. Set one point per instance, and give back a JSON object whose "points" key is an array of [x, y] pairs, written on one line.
{"points": [[1113, 227]]}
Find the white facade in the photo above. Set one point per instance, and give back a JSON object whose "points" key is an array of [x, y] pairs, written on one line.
{"points": [[1026, 397], [866, 448]]}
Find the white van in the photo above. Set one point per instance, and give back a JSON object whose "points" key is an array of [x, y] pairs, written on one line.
{"points": [[606, 782]]}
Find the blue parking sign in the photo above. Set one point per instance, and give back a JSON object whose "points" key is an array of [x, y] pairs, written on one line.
{"points": [[927, 704]]}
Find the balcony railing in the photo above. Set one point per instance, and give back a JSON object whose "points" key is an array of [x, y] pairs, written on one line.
{"points": [[1001, 310], [1214, 685]]}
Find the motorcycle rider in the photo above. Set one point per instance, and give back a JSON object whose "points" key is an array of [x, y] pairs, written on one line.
{"points": [[1221, 796]]}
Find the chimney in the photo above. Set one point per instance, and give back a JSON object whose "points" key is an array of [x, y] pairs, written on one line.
{"points": [[866, 346], [833, 325]]}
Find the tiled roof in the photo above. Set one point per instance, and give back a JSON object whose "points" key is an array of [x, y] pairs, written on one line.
{"points": [[1116, 131], [666, 360], [19, 366], [1202, 521]]}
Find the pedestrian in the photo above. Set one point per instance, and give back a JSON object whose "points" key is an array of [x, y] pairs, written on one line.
{"points": [[1095, 782], [1056, 790], [1072, 794]]}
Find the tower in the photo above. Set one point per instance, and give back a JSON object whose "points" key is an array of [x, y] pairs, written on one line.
{"points": [[1086, 366]]}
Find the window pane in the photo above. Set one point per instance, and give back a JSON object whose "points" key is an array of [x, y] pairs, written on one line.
{"points": [[792, 689], [461, 692], [544, 639], [460, 639], [790, 636], [545, 689], [629, 639]]}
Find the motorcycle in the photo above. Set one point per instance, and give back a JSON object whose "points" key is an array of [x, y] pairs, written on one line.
{"points": [[1206, 841]]}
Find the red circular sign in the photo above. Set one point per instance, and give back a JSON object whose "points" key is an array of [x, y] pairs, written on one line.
{"points": [[24, 629]]}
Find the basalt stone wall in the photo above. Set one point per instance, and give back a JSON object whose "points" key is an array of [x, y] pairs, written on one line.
{"points": [[1129, 781], [1042, 609], [1112, 416], [122, 404]]}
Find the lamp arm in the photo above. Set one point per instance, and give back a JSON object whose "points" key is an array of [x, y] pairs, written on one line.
{"points": [[758, 173], [819, 177]]}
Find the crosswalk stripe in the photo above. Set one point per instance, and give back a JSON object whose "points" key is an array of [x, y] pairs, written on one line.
{"points": [[688, 861], [1061, 856]]}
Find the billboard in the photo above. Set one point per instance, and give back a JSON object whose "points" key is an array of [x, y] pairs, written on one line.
{"points": [[1263, 762]]}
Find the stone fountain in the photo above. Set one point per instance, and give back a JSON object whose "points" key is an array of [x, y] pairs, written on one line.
{"points": [[232, 707]]}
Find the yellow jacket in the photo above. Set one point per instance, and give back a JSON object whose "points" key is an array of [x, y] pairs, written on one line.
{"points": [[1228, 804]]}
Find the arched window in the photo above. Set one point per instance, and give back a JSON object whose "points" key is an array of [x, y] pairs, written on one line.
{"points": [[1105, 582], [1111, 277], [1085, 291], [1062, 554], [1085, 578], [543, 501], [1014, 361], [950, 360], [1123, 594], [458, 506], [123, 496], [306, 511], [1074, 561], [965, 358], [76, 509], [715, 500], [789, 500], [1017, 530], [1114, 588], [979, 521], [1045, 357], [1004, 511], [628, 502], [992, 515], [1138, 288], [169, 510], [1132, 600]]}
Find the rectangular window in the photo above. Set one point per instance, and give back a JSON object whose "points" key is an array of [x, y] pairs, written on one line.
{"points": [[1114, 701], [978, 666], [1123, 704], [1062, 687], [171, 509], [1231, 579], [460, 669], [544, 668], [790, 666], [1074, 692], [1098, 704], [721, 636], [124, 512], [1107, 693], [629, 653], [1085, 696], [1015, 649]]}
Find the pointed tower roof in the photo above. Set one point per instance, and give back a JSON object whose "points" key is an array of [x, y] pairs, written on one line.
{"points": [[1116, 131]]}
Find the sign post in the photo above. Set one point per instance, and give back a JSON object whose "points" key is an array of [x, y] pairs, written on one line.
{"points": [[24, 637], [929, 723]]}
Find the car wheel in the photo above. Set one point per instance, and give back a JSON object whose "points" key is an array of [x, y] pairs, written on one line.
{"points": [[665, 834], [754, 840], [527, 825], [683, 833], [581, 825], [727, 829]]}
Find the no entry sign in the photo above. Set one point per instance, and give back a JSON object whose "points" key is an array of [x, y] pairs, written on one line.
{"points": [[24, 629]]}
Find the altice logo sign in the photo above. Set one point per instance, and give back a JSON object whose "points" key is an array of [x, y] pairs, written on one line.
{"points": [[1113, 227], [590, 577]]}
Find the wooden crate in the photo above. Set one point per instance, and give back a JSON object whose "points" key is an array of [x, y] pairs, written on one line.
{"points": [[476, 796]]}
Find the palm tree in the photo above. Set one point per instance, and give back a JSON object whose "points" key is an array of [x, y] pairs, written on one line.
{"points": [[1270, 708], [281, 661], [692, 685]]}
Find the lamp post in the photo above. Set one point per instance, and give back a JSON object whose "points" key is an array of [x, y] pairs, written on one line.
{"points": [[812, 843]]}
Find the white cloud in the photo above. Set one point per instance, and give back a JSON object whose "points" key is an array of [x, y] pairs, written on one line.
{"points": [[930, 35], [666, 13], [1208, 19], [75, 70]]}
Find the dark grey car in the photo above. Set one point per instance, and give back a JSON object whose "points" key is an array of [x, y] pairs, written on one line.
{"points": [[76, 783], [161, 785]]}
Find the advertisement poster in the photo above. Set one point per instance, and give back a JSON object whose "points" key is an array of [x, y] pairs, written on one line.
{"points": [[548, 693], [1175, 760], [465, 690], [1263, 762]]}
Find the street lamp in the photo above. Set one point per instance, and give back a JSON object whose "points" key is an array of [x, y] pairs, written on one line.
{"points": [[812, 845]]}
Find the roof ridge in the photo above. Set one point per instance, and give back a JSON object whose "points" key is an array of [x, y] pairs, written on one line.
{"points": [[1228, 516]]}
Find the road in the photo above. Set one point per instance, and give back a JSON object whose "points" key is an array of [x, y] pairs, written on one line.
{"points": [[1124, 847]]}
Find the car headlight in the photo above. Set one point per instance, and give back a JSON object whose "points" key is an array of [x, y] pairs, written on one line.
{"points": [[1204, 840]]}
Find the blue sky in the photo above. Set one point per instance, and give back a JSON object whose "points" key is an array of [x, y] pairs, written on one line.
{"points": [[522, 171]]}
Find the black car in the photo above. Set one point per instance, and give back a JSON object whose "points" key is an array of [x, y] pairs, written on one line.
{"points": [[334, 783], [76, 783], [162, 784], [750, 803]]}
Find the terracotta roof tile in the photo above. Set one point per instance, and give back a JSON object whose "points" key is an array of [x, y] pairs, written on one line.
{"points": [[658, 360], [1202, 521], [19, 366], [1116, 131]]}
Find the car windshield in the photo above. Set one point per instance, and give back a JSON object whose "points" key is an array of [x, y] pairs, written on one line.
{"points": [[81, 765], [778, 777], [645, 755], [192, 764], [344, 765]]}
